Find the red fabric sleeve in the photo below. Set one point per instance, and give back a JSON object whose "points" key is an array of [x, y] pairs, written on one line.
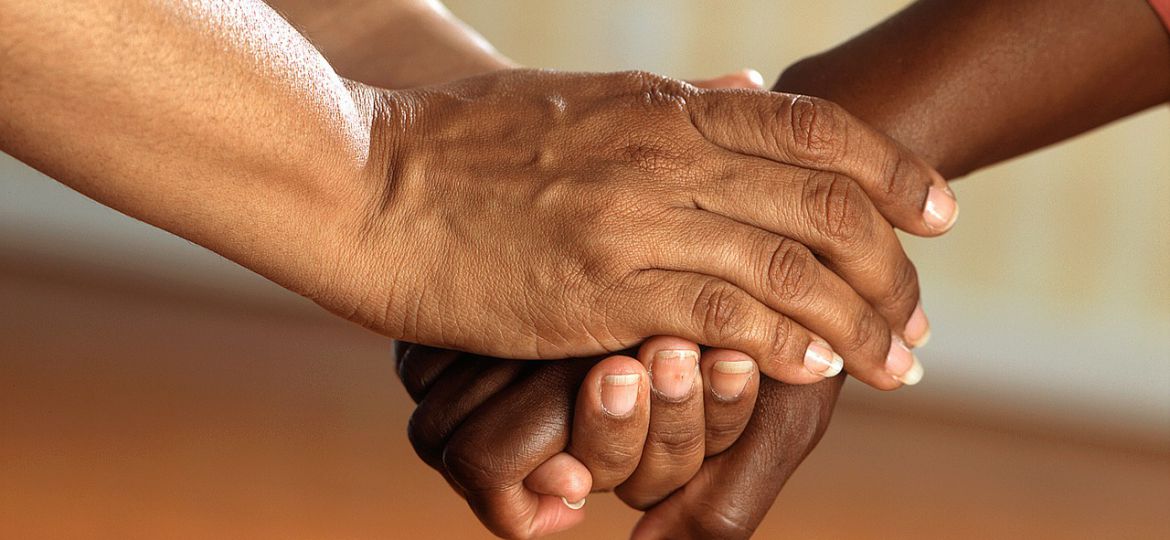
{"points": [[1162, 7]]}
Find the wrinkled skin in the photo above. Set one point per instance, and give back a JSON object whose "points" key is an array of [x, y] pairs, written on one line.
{"points": [[507, 418], [916, 77], [514, 452], [505, 435], [631, 205]]}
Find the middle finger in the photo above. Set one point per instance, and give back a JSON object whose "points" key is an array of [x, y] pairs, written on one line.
{"points": [[675, 441]]}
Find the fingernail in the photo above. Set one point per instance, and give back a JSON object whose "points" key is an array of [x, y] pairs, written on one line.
{"points": [[917, 331], [820, 360], [672, 373], [902, 365], [574, 505], [730, 377], [619, 393], [754, 76], [941, 209]]}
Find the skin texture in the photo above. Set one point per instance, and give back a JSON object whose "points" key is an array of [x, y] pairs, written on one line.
{"points": [[447, 50], [938, 65], [622, 238], [984, 81], [596, 183], [527, 419]]}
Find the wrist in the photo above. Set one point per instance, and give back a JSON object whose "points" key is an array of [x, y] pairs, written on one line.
{"points": [[362, 239]]}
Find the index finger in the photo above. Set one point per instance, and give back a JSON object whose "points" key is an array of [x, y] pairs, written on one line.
{"points": [[508, 437]]}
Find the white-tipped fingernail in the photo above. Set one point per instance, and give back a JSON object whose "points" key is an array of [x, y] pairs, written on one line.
{"points": [[672, 373], [941, 209], [902, 364], [914, 375], [917, 331], [821, 360], [619, 393], [730, 377], [574, 505]]}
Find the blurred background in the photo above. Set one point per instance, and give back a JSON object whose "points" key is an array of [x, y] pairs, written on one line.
{"points": [[150, 389]]}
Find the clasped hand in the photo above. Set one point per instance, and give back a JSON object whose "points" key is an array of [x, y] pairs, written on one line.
{"points": [[757, 223], [550, 215]]}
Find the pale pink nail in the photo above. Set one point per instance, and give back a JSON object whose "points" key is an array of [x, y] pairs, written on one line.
{"points": [[941, 209], [917, 331], [902, 365], [730, 377], [619, 393], [672, 372], [820, 360]]}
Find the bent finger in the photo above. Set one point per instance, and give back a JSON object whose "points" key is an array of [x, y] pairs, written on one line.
{"points": [[731, 383], [452, 398], [818, 134], [733, 491], [509, 437], [610, 420], [562, 476], [713, 312], [674, 446]]}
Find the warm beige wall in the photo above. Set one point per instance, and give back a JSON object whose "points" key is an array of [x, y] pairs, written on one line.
{"points": [[1056, 281]]}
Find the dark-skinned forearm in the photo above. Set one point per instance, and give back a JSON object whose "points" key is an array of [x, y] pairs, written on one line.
{"points": [[968, 83]]}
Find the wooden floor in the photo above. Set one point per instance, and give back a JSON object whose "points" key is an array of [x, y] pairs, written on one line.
{"points": [[130, 410]]}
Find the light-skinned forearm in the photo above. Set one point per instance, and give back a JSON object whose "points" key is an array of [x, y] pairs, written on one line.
{"points": [[214, 120], [393, 43], [968, 83]]}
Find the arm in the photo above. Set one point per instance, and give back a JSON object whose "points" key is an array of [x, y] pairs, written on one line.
{"points": [[969, 83], [218, 122], [126, 103], [966, 83]]}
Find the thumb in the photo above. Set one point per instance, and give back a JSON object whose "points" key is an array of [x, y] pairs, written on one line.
{"points": [[745, 78]]}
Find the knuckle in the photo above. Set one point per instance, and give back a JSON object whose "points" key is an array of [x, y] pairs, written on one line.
{"points": [[903, 290], [781, 344], [868, 333], [474, 470], [723, 430], [713, 520], [719, 310], [817, 130], [791, 271], [611, 462], [837, 208], [638, 78], [419, 367], [678, 439], [426, 440], [896, 176], [656, 91], [401, 348]]}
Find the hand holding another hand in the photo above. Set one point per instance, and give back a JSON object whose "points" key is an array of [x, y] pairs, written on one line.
{"points": [[523, 443], [600, 210]]}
